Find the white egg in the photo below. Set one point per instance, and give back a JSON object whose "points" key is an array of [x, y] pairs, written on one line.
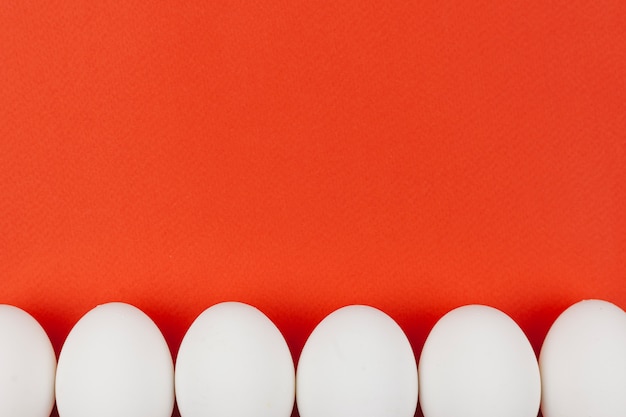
{"points": [[233, 361], [477, 362], [357, 362], [115, 362], [583, 362], [27, 365]]}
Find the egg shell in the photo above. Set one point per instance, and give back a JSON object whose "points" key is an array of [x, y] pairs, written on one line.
{"points": [[27, 365], [477, 362], [583, 362], [357, 362], [115, 362], [233, 361]]}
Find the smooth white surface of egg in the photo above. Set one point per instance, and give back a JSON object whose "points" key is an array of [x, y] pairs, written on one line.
{"points": [[115, 362], [357, 362], [27, 365], [233, 361], [477, 362], [583, 362]]}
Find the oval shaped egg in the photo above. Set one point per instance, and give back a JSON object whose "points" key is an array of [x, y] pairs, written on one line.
{"points": [[27, 365], [115, 362], [583, 362], [477, 362], [233, 361], [357, 362]]}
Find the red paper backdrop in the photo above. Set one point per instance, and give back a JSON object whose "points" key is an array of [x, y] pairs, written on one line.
{"points": [[414, 156]]}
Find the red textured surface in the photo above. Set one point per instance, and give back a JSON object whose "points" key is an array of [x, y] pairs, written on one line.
{"points": [[301, 157]]}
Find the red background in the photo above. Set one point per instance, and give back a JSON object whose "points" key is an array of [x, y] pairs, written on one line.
{"points": [[301, 157]]}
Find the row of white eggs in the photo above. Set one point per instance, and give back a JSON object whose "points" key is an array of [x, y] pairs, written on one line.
{"points": [[233, 361]]}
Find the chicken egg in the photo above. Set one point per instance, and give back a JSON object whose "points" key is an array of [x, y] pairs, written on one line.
{"points": [[357, 362], [233, 361], [27, 365], [583, 362], [477, 362], [115, 362]]}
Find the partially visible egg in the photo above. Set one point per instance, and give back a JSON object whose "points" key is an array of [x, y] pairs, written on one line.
{"points": [[583, 362], [27, 365], [477, 362], [233, 361], [357, 362], [115, 362]]}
